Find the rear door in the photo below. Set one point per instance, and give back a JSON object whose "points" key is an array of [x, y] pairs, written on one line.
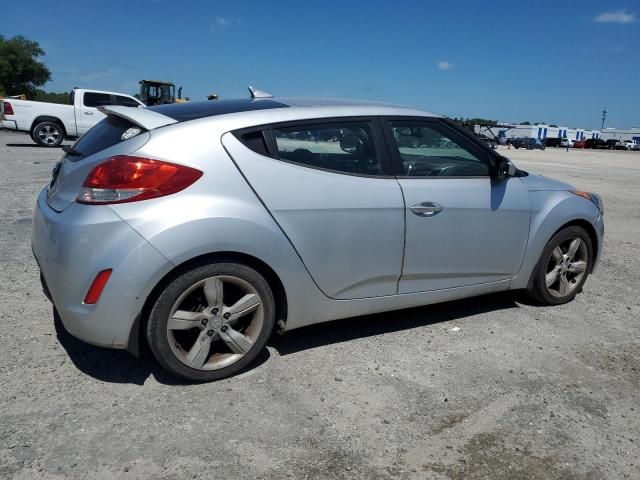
{"points": [[462, 227], [328, 185]]}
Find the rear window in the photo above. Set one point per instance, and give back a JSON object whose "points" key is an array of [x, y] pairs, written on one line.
{"points": [[104, 134]]}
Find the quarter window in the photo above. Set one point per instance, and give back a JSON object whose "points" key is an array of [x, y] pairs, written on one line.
{"points": [[344, 147], [125, 101], [431, 150], [93, 99]]}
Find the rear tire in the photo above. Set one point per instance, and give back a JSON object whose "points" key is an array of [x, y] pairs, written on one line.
{"points": [[48, 134], [563, 267], [211, 322]]}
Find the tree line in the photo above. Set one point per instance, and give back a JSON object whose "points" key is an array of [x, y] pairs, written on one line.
{"points": [[22, 72]]}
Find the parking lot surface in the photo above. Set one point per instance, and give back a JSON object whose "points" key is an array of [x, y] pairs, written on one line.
{"points": [[489, 387]]}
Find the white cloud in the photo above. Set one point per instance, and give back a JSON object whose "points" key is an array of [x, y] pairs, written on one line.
{"points": [[444, 65], [87, 76], [617, 16], [94, 75], [224, 21], [221, 23]]}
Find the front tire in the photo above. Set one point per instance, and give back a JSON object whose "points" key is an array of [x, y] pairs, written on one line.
{"points": [[48, 134], [563, 267], [211, 322]]}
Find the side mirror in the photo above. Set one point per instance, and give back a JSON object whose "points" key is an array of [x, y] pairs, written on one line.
{"points": [[504, 168], [351, 144]]}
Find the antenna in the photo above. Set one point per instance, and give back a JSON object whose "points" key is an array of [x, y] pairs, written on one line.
{"points": [[255, 93]]}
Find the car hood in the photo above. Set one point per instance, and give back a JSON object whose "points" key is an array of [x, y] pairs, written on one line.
{"points": [[538, 182]]}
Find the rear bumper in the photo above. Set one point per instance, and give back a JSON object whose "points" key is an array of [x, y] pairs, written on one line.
{"points": [[9, 124], [71, 247]]}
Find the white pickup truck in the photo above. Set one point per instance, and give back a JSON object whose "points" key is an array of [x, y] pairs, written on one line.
{"points": [[50, 123]]}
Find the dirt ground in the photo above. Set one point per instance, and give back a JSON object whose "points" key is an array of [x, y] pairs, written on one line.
{"points": [[518, 392]]}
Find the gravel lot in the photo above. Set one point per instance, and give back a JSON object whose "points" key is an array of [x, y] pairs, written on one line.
{"points": [[518, 391]]}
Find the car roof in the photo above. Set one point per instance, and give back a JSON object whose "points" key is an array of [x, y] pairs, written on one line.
{"points": [[315, 107]]}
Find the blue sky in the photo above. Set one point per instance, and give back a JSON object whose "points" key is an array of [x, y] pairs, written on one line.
{"points": [[554, 61]]}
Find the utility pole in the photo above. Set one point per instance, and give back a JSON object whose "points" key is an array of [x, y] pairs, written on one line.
{"points": [[604, 116]]}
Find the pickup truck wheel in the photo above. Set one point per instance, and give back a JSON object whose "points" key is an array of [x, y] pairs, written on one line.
{"points": [[48, 134]]}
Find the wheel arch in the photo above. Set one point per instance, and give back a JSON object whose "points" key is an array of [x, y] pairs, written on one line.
{"points": [[136, 336], [47, 118], [591, 231], [593, 236]]}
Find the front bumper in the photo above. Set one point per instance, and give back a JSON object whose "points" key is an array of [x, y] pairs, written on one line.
{"points": [[599, 227], [71, 247]]}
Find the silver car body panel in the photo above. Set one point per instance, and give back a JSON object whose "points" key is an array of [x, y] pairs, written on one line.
{"points": [[72, 247], [479, 236], [225, 212], [550, 211], [539, 183], [347, 229]]}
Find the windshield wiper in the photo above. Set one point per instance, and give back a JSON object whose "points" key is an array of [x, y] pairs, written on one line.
{"points": [[69, 150]]}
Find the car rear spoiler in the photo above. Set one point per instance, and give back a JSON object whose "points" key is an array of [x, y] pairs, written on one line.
{"points": [[143, 117]]}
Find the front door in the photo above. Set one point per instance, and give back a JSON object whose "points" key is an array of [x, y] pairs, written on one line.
{"points": [[462, 227], [327, 186]]}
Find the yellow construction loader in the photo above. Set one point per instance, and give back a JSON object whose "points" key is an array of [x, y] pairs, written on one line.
{"points": [[159, 92]]}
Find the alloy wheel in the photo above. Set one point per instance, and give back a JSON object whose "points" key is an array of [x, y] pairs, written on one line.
{"points": [[49, 135], [566, 267], [215, 322]]}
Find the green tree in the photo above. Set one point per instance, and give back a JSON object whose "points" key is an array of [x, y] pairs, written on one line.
{"points": [[20, 69], [51, 97]]}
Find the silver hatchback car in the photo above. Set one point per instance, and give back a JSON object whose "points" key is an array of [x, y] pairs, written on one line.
{"points": [[201, 228]]}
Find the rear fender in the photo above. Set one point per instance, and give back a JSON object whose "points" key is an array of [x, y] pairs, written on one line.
{"points": [[218, 213]]}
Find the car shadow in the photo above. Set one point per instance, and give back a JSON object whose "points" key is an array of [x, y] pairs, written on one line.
{"points": [[345, 330], [27, 145], [119, 366]]}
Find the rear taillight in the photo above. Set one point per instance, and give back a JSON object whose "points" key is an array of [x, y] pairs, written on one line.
{"points": [[7, 108], [126, 178]]}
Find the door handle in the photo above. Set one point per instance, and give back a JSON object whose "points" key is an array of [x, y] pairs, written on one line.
{"points": [[88, 113], [426, 209]]}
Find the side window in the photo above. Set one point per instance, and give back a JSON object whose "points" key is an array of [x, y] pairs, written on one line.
{"points": [[254, 141], [429, 150], [94, 99], [125, 101], [344, 147]]}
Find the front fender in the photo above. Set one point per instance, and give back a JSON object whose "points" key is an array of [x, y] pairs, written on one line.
{"points": [[551, 210]]}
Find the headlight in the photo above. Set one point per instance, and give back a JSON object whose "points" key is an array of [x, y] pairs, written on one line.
{"points": [[593, 197]]}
